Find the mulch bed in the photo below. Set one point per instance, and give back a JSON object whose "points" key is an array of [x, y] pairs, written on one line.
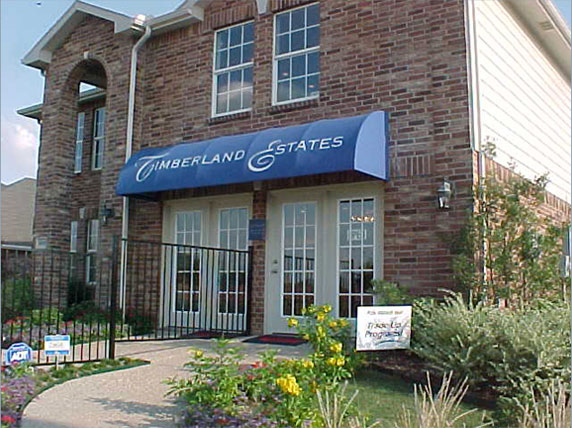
{"points": [[412, 369]]}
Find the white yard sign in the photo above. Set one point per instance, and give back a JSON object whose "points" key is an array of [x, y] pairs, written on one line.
{"points": [[383, 327]]}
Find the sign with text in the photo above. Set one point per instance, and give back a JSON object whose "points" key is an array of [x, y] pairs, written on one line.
{"points": [[18, 353], [57, 344], [381, 328], [256, 229]]}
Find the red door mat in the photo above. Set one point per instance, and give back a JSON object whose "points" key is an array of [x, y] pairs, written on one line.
{"points": [[276, 339]]}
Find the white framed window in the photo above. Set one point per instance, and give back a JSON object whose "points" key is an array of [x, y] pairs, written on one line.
{"points": [[233, 66], [80, 126], [98, 138], [73, 237], [298, 257], [91, 249], [356, 254], [296, 66]]}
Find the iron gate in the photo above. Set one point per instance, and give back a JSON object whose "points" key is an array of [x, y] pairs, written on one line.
{"points": [[175, 291]]}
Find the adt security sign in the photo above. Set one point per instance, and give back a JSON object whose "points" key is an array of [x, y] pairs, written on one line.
{"points": [[57, 344], [18, 353], [383, 327]]}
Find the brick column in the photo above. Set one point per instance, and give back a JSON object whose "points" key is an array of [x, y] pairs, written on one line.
{"points": [[258, 261]]}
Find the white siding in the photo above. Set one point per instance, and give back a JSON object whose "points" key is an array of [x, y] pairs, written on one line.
{"points": [[524, 100]]}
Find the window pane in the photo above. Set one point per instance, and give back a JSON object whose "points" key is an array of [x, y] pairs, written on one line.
{"points": [[234, 101], [222, 39], [247, 77], [312, 37], [222, 83], [283, 91], [247, 52], [298, 19], [283, 44], [235, 80], [298, 88], [221, 103], [313, 85], [313, 63], [297, 41], [247, 98], [234, 56], [284, 69], [283, 23], [313, 15], [221, 60], [248, 32], [236, 35], [299, 65]]}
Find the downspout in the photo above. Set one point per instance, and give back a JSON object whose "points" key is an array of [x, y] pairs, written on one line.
{"points": [[128, 152]]}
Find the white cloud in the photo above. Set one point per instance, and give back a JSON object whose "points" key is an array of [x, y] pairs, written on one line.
{"points": [[19, 148]]}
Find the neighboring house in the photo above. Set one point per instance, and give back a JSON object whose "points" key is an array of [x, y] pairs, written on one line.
{"points": [[348, 196], [18, 212]]}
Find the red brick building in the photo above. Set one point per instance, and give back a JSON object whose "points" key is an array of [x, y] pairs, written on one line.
{"points": [[226, 68]]}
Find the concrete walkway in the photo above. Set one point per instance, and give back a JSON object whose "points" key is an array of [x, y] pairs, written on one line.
{"points": [[132, 397]]}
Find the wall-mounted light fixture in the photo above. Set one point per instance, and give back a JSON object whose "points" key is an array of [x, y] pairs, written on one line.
{"points": [[106, 213], [444, 193]]}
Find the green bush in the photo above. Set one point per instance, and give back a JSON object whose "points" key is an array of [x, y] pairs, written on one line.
{"points": [[46, 316], [513, 352], [17, 298], [390, 293]]}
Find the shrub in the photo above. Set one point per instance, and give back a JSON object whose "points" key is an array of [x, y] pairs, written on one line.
{"points": [[513, 352], [46, 316], [17, 298], [390, 293], [440, 410]]}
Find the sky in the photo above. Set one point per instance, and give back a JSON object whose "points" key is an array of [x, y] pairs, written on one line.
{"points": [[22, 23]]}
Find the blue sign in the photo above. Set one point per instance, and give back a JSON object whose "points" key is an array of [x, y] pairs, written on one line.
{"points": [[348, 144], [18, 353], [56, 344], [256, 229]]}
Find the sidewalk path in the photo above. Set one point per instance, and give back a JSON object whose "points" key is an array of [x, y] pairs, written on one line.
{"points": [[128, 398]]}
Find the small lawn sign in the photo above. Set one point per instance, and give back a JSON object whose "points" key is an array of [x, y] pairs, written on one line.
{"points": [[383, 327], [57, 345], [18, 353]]}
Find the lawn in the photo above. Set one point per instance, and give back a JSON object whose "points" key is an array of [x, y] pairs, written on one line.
{"points": [[383, 397]]}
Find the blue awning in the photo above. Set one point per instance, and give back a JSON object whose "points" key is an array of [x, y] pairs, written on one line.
{"points": [[348, 144]]}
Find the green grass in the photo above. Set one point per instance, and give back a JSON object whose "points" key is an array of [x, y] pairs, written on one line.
{"points": [[383, 397]]}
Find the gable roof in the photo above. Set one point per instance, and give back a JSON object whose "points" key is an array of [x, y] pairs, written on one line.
{"points": [[41, 54]]}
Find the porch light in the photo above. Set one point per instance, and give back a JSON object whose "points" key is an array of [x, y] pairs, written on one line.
{"points": [[444, 195], [106, 213]]}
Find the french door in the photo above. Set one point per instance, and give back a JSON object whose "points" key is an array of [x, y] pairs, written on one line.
{"points": [[209, 264], [322, 250]]}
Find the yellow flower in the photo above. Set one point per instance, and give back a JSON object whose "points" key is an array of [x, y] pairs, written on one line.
{"points": [[327, 308], [344, 323], [306, 337], [333, 324], [320, 331], [307, 364], [288, 385], [320, 316], [332, 361], [303, 311], [198, 354], [311, 309], [336, 347], [340, 361], [292, 322]]}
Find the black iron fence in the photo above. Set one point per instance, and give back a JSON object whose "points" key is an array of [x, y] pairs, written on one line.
{"points": [[174, 291], [47, 292], [138, 290]]}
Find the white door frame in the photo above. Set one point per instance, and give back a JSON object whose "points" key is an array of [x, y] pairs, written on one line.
{"points": [[210, 207], [326, 284]]}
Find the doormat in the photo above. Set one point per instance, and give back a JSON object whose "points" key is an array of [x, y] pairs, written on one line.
{"points": [[276, 339]]}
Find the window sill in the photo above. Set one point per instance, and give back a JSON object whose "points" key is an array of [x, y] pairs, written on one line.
{"points": [[228, 117], [296, 105]]}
